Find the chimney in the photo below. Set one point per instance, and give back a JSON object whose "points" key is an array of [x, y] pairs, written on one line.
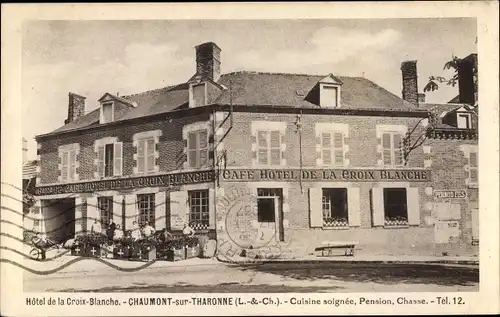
{"points": [[410, 87], [208, 61], [421, 98], [25, 150], [76, 107], [467, 89]]}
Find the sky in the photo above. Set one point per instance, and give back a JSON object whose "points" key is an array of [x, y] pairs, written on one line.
{"points": [[91, 58]]}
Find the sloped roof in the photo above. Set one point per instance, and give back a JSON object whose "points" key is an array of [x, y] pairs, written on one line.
{"points": [[29, 169], [252, 88], [442, 109]]}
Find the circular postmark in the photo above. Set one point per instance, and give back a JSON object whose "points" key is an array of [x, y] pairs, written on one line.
{"points": [[252, 224]]}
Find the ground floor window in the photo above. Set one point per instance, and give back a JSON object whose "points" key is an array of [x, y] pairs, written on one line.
{"points": [[146, 208], [198, 209], [334, 206], [105, 205], [395, 207]]}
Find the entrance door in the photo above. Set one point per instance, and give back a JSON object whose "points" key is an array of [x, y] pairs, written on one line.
{"points": [[270, 211]]}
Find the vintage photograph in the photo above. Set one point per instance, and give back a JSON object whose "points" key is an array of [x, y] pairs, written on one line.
{"points": [[250, 156]]}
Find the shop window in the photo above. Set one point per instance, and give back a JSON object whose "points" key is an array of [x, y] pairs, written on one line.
{"points": [[334, 206], [395, 207], [198, 209], [105, 206], [269, 147], [146, 208], [197, 149]]}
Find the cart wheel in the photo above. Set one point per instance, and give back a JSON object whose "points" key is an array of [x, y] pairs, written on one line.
{"points": [[35, 254]]}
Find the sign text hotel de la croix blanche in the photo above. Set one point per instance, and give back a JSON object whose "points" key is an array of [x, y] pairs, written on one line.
{"points": [[244, 175]]}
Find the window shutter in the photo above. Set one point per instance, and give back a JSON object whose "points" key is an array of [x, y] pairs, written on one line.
{"points": [[386, 149], [353, 207], [141, 159], [118, 157], [150, 146], [338, 144], [398, 153], [211, 209], [473, 159], [160, 211], [326, 144], [413, 206], [275, 145], [72, 166], [178, 209], [64, 166], [315, 210], [254, 147], [378, 218]]}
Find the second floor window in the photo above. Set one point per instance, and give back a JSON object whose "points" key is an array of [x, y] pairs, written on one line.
{"points": [[109, 159], [392, 151], [197, 149], [146, 155], [68, 165], [269, 147], [332, 148]]}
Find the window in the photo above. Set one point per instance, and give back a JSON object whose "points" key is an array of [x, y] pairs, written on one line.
{"points": [[395, 207], [269, 147], [199, 99], [334, 205], [146, 155], [105, 206], [107, 112], [36, 223], [109, 159], [464, 121], [332, 148], [198, 209], [392, 153], [473, 177], [68, 165], [146, 208], [329, 96], [197, 149]]}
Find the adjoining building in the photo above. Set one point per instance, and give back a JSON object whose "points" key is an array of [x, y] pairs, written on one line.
{"points": [[254, 160]]}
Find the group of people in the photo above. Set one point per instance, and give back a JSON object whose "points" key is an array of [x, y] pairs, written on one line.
{"points": [[114, 232]]}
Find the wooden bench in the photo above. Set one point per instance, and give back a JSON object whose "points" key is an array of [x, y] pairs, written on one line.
{"points": [[328, 246]]}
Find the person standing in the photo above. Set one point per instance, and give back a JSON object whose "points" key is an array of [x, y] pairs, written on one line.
{"points": [[148, 230], [118, 234], [96, 227], [110, 231], [187, 231], [136, 231]]}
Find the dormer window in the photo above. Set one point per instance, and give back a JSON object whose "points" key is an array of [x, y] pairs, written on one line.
{"points": [[198, 94], [329, 96], [107, 112], [464, 121]]}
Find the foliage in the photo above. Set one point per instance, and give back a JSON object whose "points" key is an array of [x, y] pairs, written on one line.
{"points": [[93, 239], [452, 64]]}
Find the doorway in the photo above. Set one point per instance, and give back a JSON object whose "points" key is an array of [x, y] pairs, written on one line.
{"points": [[270, 212]]}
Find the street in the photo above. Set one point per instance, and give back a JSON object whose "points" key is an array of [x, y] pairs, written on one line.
{"points": [[210, 276]]}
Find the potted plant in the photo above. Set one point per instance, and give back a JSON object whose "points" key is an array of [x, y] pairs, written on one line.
{"points": [[176, 250], [192, 246]]}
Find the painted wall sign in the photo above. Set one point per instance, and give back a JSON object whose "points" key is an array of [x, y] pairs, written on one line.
{"points": [[444, 194], [325, 175], [128, 183]]}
